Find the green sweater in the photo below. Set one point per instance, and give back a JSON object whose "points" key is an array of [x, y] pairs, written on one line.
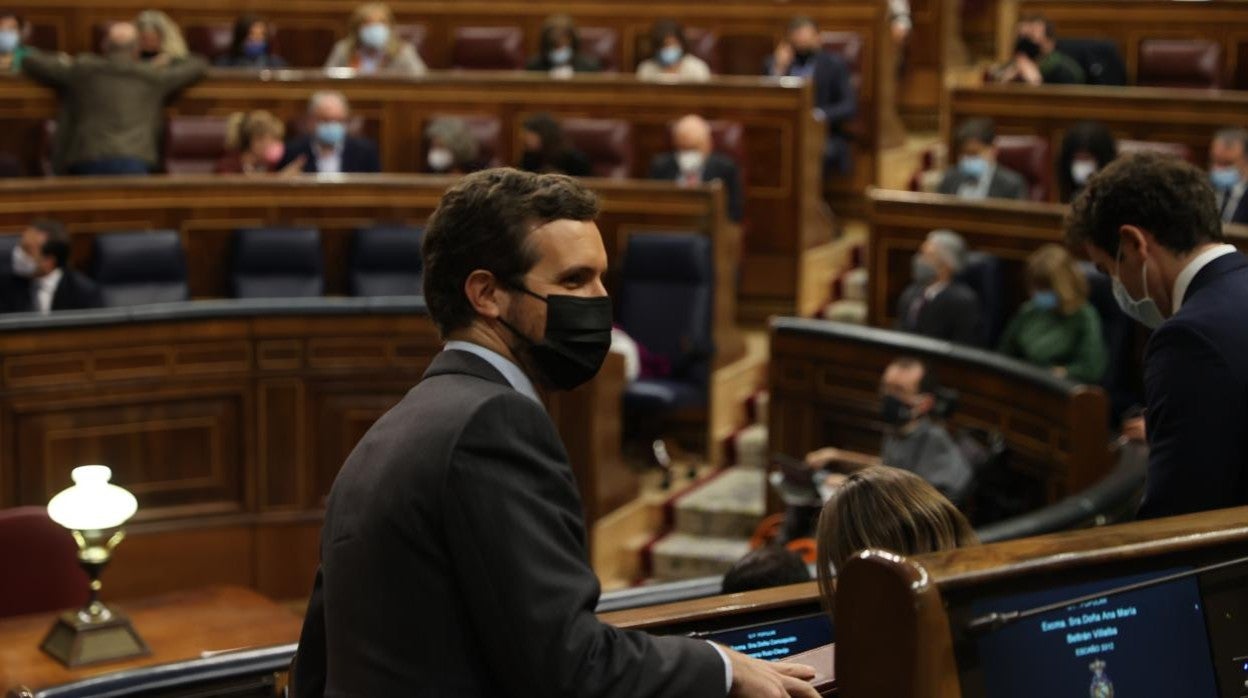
{"points": [[1050, 339]]}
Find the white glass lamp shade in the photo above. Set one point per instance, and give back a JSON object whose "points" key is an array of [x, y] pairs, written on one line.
{"points": [[93, 503]]}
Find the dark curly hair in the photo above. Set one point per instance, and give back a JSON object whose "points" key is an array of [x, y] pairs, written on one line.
{"points": [[483, 222], [1162, 194]]}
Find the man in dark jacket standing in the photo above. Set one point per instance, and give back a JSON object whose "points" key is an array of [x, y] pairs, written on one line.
{"points": [[453, 558], [112, 106]]}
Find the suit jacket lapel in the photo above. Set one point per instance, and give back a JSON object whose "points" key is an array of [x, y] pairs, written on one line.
{"points": [[1222, 265], [463, 363]]}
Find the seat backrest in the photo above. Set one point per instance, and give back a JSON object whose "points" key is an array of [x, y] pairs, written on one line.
{"points": [[667, 300], [211, 40], [1180, 63], [386, 261], [194, 144], [414, 34], [7, 243], [704, 43], [41, 564], [1028, 156], [1100, 59], [487, 129], [487, 48], [277, 263], [607, 142], [142, 267], [984, 275], [1178, 150], [602, 43]]}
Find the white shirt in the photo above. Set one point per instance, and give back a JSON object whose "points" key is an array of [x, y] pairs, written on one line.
{"points": [[328, 161], [43, 289], [1230, 200], [1193, 268], [978, 188], [521, 383]]}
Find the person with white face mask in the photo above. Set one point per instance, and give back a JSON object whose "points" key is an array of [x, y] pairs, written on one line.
{"points": [[373, 47], [1087, 147], [671, 59], [936, 304], [452, 147], [330, 148], [1151, 222], [694, 162], [11, 49], [559, 50], [1228, 172], [977, 174]]}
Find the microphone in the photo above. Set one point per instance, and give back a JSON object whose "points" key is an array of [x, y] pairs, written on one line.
{"points": [[992, 622]]}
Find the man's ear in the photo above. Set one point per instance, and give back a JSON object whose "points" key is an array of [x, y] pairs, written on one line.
{"points": [[482, 290], [1135, 240], [926, 403]]}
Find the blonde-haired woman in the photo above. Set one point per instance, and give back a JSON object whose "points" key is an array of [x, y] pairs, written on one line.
{"points": [[889, 509], [1057, 329], [254, 143], [373, 47], [159, 37]]}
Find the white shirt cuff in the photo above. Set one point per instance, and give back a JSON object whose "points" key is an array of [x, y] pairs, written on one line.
{"points": [[727, 667]]}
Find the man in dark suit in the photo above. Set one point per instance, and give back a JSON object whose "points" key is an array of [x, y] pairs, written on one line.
{"points": [[453, 558], [801, 55], [936, 304], [40, 279], [978, 175], [1152, 223], [695, 162], [1228, 171], [330, 149]]}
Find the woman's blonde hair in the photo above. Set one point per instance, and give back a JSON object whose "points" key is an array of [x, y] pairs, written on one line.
{"points": [[358, 17], [886, 508], [243, 128], [1053, 268], [171, 41]]}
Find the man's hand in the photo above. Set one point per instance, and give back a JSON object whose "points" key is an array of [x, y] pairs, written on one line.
{"points": [[823, 457], [1028, 71], [782, 58], [754, 678], [294, 167], [1134, 429]]}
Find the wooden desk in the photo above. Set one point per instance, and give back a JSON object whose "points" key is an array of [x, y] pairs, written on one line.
{"points": [[783, 195], [175, 626]]}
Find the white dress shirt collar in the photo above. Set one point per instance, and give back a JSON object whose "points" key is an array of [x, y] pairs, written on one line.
{"points": [[515, 377], [44, 290], [328, 161], [1193, 268]]}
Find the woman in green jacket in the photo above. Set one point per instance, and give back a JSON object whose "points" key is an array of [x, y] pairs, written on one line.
{"points": [[1057, 329]]}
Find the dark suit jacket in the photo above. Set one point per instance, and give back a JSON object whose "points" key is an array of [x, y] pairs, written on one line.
{"points": [[1005, 184], [954, 315], [581, 63], [358, 154], [1196, 388], [835, 95], [453, 563], [74, 292], [718, 167], [1241, 210]]}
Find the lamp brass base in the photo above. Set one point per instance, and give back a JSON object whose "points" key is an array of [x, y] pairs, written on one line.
{"points": [[78, 639]]}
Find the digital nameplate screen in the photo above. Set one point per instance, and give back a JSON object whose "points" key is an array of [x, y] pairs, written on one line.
{"points": [[776, 640], [1148, 642]]}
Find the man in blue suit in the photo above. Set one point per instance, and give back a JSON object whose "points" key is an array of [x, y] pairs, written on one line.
{"points": [[330, 149], [1151, 222]]}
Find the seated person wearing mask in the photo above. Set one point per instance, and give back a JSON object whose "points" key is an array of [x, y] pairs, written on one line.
{"points": [[772, 565], [12, 28], [41, 279], [977, 174], [547, 150], [694, 162], [372, 46], [801, 55], [1228, 172], [1058, 329], [560, 50], [1086, 149], [251, 46], [452, 147], [1036, 58], [915, 442], [112, 114], [253, 142], [936, 304], [330, 149], [887, 509], [671, 55], [160, 39]]}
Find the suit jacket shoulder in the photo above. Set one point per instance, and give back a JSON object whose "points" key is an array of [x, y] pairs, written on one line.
{"points": [[950, 181], [1007, 184]]}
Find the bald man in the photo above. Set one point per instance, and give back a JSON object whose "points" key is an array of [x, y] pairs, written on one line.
{"points": [[330, 148], [694, 161], [113, 104]]}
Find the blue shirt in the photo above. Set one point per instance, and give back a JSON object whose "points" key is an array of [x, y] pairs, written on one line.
{"points": [[515, 377]]}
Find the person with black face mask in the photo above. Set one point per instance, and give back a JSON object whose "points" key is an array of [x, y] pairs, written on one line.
{"points": [[915, 440], [1036, 58], [457, 516]]}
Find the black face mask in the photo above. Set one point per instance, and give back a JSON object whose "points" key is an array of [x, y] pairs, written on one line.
{"points": [[148, 54], [578, 336], [803, 54], [1027, 47], [895, 412]]}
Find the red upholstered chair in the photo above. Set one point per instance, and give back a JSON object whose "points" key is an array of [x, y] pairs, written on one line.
{"points": [[1178, 150], [1180, 63], [47, 146], [487, 48], [1028, 156], [193, 144], [704, 43], [487, 129], [607, 142], [604, 44], [41, 571], [209, 40], [414, 34]]}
